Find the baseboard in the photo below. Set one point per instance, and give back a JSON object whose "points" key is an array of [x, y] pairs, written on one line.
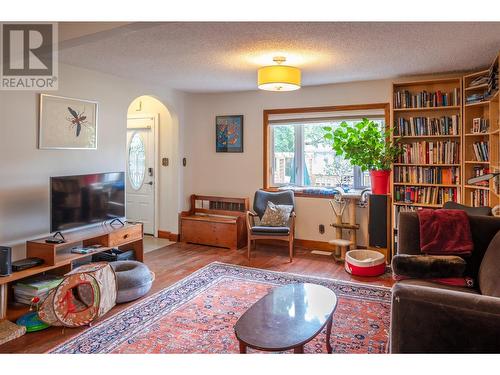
{"points": [[307, 244], [174, 237], [314, 245]]}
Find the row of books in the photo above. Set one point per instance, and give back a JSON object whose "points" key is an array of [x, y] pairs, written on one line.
{"points": [[480, 125], [37, 286], [430, 152], [425, 195], [476, 97], [480, 171], [478, 81], [479, 198], [481, 151], [425, 99], [427, 175], [414, 126]]}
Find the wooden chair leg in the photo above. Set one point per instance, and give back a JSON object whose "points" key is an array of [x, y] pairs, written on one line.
{"points": [[249, 246], [290, 245]]}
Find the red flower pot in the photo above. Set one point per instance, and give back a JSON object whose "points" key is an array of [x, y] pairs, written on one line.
{"points": [[380, 181]]}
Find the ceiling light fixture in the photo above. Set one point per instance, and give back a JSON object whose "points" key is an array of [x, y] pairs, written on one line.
{"points": [[279, 77]]}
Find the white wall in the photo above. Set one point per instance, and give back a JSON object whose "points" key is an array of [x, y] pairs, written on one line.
{"points": [[25, 170], [240, 175]]}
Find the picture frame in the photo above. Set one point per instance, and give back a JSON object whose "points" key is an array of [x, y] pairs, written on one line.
{"points": [[229, 133], [67, 123]]}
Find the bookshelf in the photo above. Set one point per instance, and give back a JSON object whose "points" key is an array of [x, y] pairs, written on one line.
{"points": [[481, 135], [427, 119]]}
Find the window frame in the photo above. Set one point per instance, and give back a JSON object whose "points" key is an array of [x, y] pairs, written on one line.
{"points": [[268, 152]]}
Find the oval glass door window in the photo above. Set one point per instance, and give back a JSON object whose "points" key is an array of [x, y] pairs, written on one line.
{"points": [[136, 161]]}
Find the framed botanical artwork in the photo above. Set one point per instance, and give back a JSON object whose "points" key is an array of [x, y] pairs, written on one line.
{"points": [[229, 133], [67, 123]]}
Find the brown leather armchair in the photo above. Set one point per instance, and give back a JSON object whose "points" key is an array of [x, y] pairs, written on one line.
{"points": [[428, 317], [258, 232]]}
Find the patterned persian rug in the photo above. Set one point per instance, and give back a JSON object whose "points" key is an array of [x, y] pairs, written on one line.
{"points": [[198, 313]]}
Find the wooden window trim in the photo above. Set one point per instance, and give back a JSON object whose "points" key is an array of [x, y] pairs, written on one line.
{"points": [[352, 107]]}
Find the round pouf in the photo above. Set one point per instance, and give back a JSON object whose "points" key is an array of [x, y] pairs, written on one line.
{"points": [[364, 263], [134, 279]]}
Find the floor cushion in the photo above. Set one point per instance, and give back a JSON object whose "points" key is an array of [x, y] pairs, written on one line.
{"points": [[134, 279]]}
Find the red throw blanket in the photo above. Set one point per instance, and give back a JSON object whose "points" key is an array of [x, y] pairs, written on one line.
{"points": [[445, 232]]}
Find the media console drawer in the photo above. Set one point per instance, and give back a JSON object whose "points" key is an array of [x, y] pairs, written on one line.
{"points": [[123, 235]]}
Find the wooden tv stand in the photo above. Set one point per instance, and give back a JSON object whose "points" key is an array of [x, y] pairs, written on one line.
{"points": [[59, 259]]}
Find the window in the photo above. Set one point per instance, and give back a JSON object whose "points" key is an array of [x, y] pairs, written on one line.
{"points": [[136, 161], [300, 155]]}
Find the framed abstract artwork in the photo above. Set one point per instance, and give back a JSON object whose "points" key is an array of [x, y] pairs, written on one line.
{"points": [[229, 133], [67, 123]]}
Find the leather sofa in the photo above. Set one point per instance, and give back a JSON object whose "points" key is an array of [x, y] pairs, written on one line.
{"points": [[428, 317]]}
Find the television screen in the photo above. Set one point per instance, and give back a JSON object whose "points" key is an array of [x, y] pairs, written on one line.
{"points": [[76, 201]]}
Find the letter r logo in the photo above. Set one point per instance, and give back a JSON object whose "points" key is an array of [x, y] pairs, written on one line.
{"points": [[27, 49]]}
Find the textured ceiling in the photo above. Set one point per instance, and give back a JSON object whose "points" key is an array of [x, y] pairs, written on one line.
{"points": [[215, 57]]}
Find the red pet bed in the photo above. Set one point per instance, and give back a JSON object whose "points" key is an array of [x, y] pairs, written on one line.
{"points": [[364, 263]]}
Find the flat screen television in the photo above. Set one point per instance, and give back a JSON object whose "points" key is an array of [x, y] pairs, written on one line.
{"points": [[77, 201]]}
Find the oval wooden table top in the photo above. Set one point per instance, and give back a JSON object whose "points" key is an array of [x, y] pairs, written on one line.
{"points": [[287, 317]]}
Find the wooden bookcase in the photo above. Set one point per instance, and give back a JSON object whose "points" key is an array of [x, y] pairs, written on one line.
{"points": [[427, 126], [485, 109], [467, 164]]}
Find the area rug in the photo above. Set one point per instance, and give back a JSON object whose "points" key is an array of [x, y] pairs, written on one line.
{"points": [[198, 313]]}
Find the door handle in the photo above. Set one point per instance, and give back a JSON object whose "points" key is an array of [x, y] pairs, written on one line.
{"points": [[149, 183]]}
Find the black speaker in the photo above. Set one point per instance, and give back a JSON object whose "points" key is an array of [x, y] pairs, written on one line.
{"points": [[5, 261], [378, 221]]}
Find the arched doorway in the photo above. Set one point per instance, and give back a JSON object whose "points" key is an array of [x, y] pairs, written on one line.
{"points": [[148, 119]]}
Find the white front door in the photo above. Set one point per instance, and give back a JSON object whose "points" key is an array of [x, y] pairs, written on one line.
{"points": [[141, 171]]}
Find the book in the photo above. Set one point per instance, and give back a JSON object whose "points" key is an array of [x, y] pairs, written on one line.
{"points": [[38, 286], [430, 152], [39, 282], [425, 99], [480, 171], [427, 175], [481, 151], [480, 198], [417, 126], [426, 195]]}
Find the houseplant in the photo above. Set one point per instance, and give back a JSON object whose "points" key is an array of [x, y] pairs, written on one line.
{"points": [[368, 147]]}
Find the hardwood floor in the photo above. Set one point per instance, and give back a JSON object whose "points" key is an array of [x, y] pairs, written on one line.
{"points": [[176, 261]]}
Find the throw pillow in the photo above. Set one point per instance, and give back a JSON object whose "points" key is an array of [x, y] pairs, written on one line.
{"points": [[276, 215], [427, 266]]}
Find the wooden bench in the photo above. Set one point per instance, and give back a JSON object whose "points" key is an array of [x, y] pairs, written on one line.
{"points": [[215, 221]]}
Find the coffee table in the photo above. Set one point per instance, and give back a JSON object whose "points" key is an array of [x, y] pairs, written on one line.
{"points": [[287, 318]]}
